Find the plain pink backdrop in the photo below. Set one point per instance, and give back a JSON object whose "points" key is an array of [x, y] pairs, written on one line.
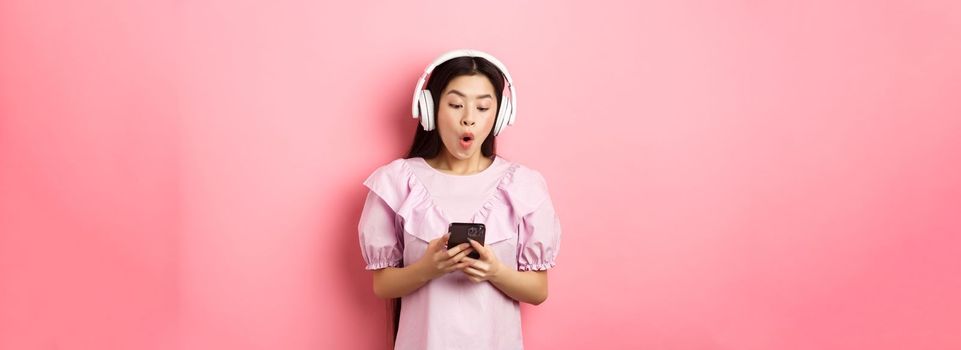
{"points": [[729, 174]]}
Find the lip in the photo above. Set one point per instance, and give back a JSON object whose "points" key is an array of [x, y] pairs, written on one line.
{"points": [[466, 144]]}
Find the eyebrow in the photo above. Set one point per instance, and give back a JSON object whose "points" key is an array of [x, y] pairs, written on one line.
{"points": [[462, 94]]}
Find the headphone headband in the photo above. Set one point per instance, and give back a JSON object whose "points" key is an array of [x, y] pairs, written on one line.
{"points": [[426, 107]]}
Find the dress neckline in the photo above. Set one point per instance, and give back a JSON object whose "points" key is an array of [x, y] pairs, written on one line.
{"points": [[486, 170], [484, 211]]}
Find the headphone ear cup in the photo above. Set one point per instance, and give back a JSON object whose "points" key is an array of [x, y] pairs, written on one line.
{"points": [[429, 109], [425, 109], [503, 114]]}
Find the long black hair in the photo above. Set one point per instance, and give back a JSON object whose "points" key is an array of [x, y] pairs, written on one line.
{"points": [[427, 144]]}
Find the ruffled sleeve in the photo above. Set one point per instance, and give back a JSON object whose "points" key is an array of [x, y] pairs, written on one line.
{"points": [[390, 183], [380, 229], [539, 236], [380, 239]]}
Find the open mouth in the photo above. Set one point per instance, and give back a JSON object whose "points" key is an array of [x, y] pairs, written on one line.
{"points": [[466, 140]]}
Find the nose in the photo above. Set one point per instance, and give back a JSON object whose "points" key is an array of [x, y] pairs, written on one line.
{"points": [[467, 118]]}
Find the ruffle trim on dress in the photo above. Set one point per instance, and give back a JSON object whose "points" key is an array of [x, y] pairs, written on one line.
{"points": [[536, 267], [520, 187], [382, 264], [418, 211]]}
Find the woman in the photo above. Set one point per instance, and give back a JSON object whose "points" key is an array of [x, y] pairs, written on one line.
{"points": [[451, 301]]}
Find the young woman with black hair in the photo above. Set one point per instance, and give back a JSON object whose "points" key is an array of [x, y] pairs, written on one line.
{"points": [[440, 297]]}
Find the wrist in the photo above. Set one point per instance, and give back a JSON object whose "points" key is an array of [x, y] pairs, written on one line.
{"points": [[421, 273], [499, 273]]}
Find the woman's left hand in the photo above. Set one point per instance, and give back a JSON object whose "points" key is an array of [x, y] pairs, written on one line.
{"points": [[483, 269]]}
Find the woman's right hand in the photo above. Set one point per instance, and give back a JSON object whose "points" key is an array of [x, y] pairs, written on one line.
{"points": [[438, 260]]}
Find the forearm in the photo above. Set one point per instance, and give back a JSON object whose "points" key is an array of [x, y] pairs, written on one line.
{"points": [[396, 282], [524, 286]]}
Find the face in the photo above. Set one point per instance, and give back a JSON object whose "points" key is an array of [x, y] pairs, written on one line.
{"points": [[466, 114]]}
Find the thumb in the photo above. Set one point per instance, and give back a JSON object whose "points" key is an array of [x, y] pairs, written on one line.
{"points": [[480, 248], [442, 241]]}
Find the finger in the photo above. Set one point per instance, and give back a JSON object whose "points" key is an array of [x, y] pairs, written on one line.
{"points": [[457, 258], [457, 266], [442, 241], [436, 243], [470, 270], [477, 264], [459, 248], [481, 266], [449, 260], [481, 249], [442, 255], [472, 277]]}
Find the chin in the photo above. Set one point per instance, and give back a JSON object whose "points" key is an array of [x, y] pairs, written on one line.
{"points": [[461, 154]]}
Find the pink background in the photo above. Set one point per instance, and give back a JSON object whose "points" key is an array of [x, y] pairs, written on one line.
{"points": [[729, 175]]}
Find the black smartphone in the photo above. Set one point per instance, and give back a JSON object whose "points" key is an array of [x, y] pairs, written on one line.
{"points": [[461, 231]]}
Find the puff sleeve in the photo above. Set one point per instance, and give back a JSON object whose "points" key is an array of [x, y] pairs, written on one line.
{"points": [[380, 228], [539, 236], [380, 241]]}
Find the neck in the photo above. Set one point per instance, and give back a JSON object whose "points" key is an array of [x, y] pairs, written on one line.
{"points": [[450, 164]]}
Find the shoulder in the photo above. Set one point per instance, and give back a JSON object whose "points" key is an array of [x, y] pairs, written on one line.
{"points": [[526, 188], [394, 166], [526, 176], [391, 182], [388, 174]]}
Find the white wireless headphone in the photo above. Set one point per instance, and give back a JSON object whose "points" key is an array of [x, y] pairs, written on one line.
{"points": [[423, 104]]}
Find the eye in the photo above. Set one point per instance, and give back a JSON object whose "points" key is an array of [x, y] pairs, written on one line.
{"points": [[454, 106], [483, 109]]}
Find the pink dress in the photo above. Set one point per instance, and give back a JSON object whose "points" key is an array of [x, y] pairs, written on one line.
{"points": [[411, 203]]}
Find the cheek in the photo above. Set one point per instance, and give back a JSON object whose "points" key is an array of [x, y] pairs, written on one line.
{"points": [[489, 121], [447, 127], [446, 116], [444, 123]]}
